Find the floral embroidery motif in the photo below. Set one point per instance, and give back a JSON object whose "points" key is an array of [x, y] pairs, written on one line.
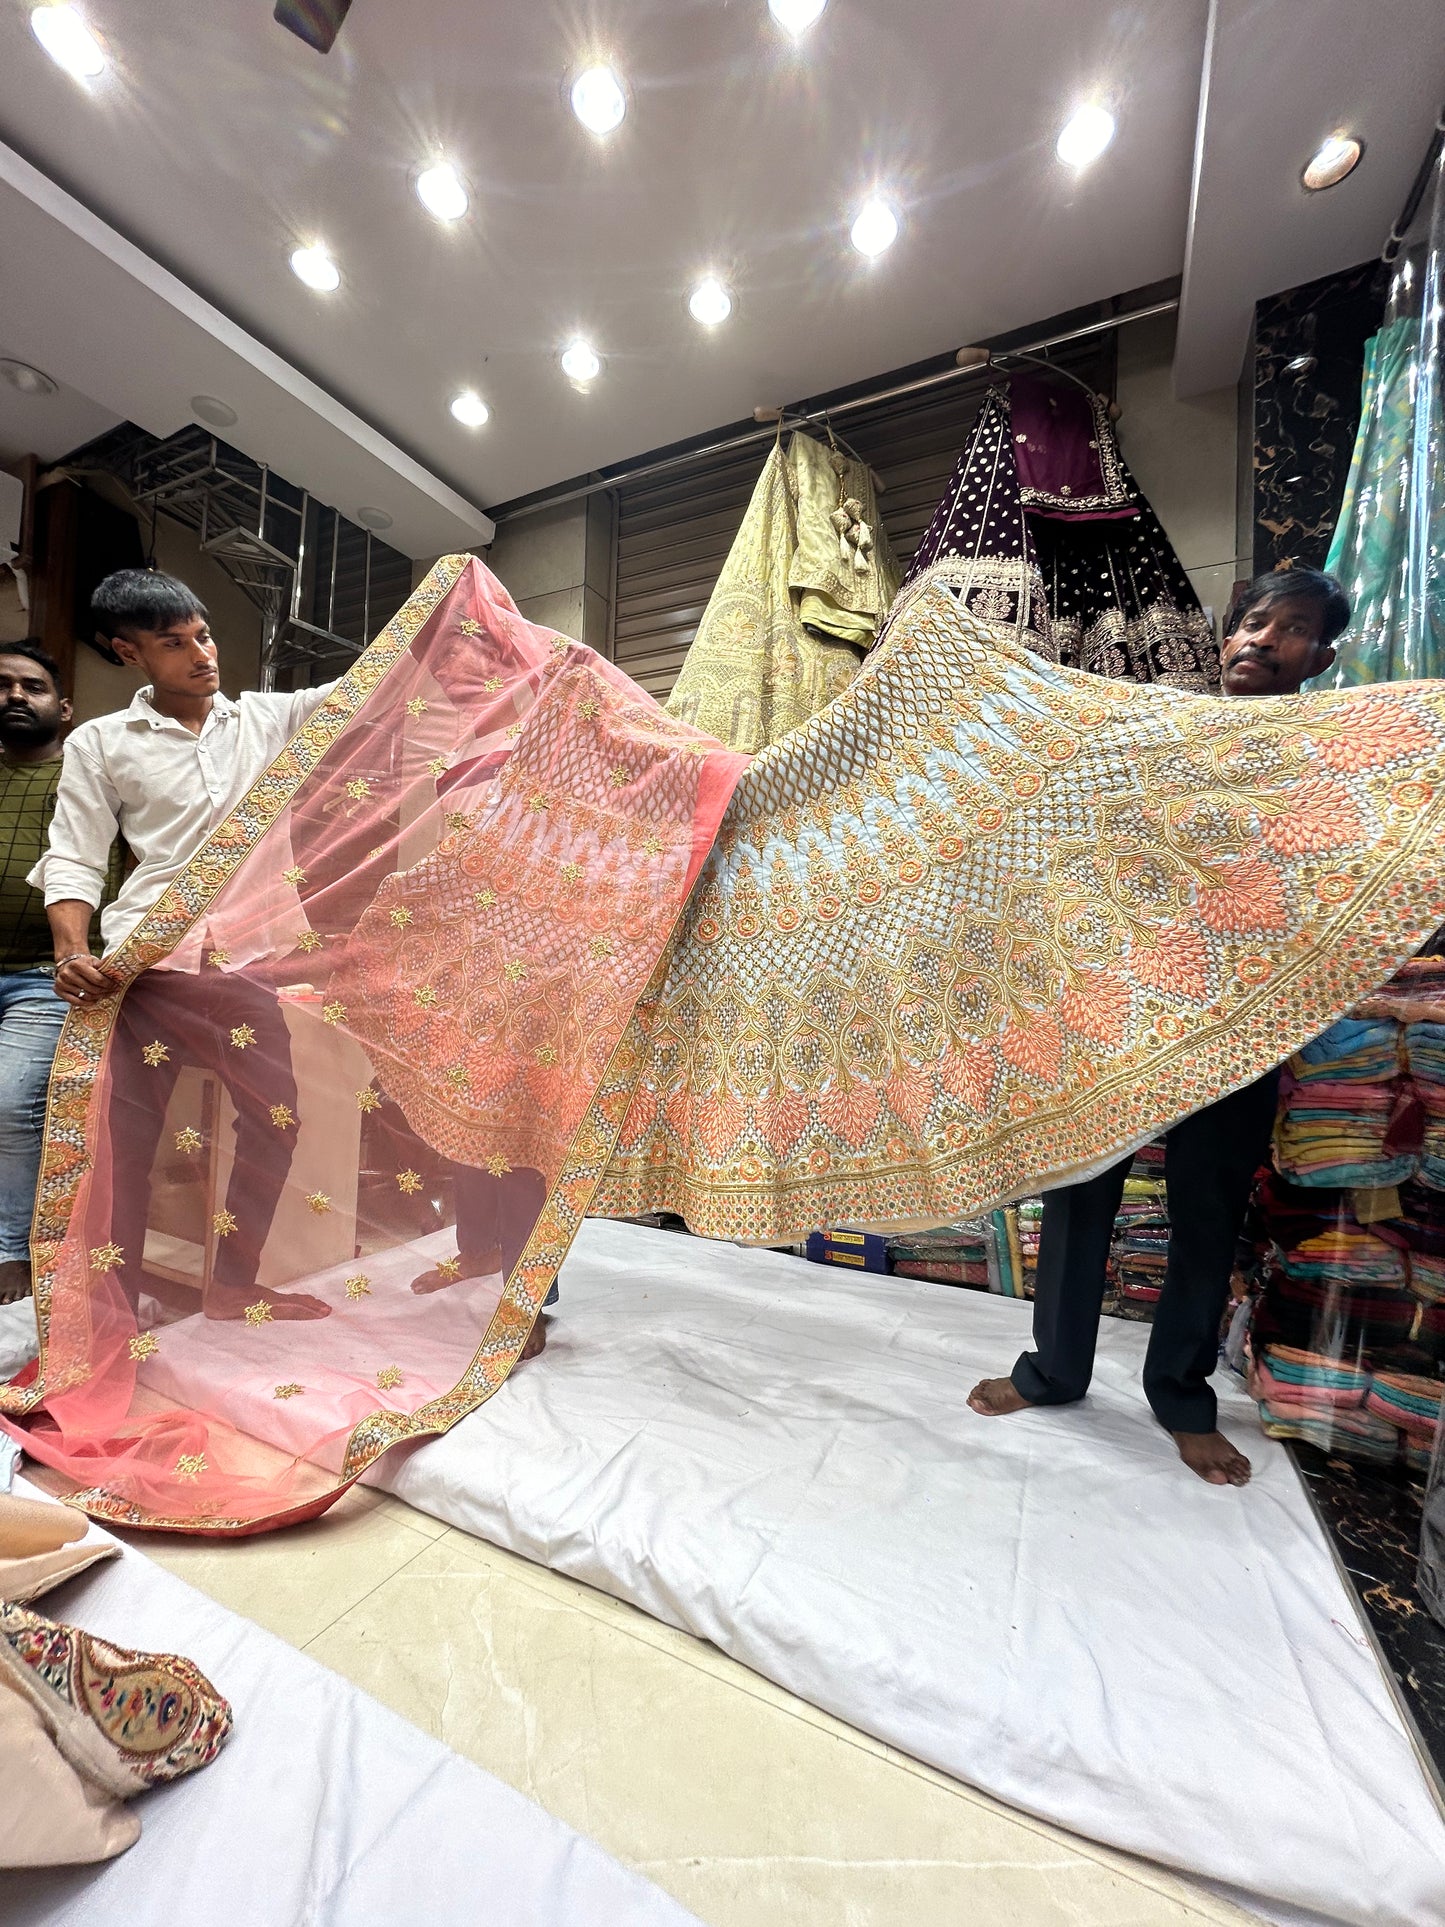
{"points": [[450, 1267], [258, 1314], [308, 940], [218, 959], [295, 876], [156, 1054], [389, 1377], [409, 1182], [358, 789], [497, 1167], [242, 1037], [223, 1224], [368, 1100], [282, 1116], [358, 1286], [290, 1390], [143, 1345], [437, 766], [401, 917], [333, 1014], [189, 1139], [417, 706], [319, 1202], [190, 1466], [106, 1257], [425, 997]]}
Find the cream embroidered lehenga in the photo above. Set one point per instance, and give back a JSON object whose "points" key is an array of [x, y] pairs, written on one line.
{"points": [[978, 924]]}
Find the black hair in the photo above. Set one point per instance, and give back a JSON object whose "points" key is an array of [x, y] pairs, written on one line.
{"points": [[1309, 585], [34, 650], [134, 599]]}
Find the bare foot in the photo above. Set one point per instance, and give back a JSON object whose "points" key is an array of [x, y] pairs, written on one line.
{"points": [[536, 1341], [232, 1302], [1211, 1455], [473, 1264], [14, 1280], [994, 1397]]}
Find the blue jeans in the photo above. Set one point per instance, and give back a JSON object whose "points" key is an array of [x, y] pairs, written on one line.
{"points": [[30, 1018]]}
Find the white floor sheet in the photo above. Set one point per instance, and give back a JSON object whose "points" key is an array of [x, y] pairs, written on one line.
{"points": [[323, 1810], [778, 1457]]}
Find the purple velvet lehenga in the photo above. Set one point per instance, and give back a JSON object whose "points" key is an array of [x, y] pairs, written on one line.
{"points": [[1061, 544]]}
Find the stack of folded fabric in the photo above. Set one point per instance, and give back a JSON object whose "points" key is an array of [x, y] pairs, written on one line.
{"points": [[1287, 1375], [1413, 1402], [1421, 1229], [1030, 1216], [1141, 1236], [1340, 1097], [1425, 1055], [960, 1254]]}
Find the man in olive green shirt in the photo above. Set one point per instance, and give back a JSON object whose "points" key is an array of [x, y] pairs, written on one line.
{"points": [[33, 715]]}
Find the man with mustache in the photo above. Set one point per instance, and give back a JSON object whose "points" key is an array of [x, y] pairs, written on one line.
{"points": [[1280, 633], [33, 715]]}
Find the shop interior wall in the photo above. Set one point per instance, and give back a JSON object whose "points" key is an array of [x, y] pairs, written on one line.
{"points": [[99, 685]]}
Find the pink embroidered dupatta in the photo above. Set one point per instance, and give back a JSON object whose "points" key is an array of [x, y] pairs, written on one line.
{"points": [[372, 1039]]}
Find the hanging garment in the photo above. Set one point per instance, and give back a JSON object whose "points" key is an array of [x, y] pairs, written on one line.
{"points": [[1062, 547], [800, 599], [984, 923], [1389, 543]]}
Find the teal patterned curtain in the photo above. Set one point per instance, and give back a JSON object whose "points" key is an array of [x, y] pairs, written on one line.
{"points": [[1389, 543]]}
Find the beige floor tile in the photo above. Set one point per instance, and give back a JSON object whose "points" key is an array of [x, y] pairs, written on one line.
{"points": [[745, 1804], [295, 1583]]}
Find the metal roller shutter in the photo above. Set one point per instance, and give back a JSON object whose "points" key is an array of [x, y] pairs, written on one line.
{"points": [[674, 532]]}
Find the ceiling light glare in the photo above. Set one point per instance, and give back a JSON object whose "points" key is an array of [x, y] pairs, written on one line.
{"points": [[63, 34], [316, 268], [469, 409], [581, 362], [1085, 137], [876, 228], [710, 302], [440, 191], [26, 380], [598, 100], [796, 15], [373, 518], [1339, 156]]}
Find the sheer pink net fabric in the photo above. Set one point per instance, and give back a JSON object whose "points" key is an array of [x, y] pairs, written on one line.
{"points": [[308, 1179]]}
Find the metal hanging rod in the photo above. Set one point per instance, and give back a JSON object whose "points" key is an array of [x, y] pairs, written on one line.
{"points": [[972, 361]]}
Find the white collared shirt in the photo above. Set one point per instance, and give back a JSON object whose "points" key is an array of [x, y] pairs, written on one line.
{"points": [[163, 787]]}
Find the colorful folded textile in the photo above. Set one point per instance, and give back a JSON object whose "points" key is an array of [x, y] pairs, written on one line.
{"points": [[1355, 1435], [1352, 1049], [1417, 1452], [1427, 1277], [1408, 1400], [941, 1271], [1293, 1373], [1347, 1254]]}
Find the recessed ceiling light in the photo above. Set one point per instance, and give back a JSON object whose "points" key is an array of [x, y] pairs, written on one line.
{"points": [[440, 191], [1339, 156], [598, 99], [581, 362], [27, 380], [710, 302], [316, 268], [796, 15], [373, 518], [63, 34], [213, 411], [876, 228], [469, 409], [1085, 136]]}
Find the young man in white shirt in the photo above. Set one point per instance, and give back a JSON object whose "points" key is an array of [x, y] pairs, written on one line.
{"points": [[163, 774]]}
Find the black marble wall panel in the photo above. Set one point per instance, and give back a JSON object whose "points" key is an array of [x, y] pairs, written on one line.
{"points": [[1309, 346]]}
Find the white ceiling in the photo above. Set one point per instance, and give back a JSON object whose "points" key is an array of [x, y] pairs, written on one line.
{"points": [[217, 142]]}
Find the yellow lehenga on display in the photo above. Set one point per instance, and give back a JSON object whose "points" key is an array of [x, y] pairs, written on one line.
{"points": [[800, 600]]}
